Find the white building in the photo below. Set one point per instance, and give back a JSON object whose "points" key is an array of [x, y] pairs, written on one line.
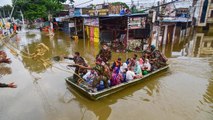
{"points": [[204, 12]]}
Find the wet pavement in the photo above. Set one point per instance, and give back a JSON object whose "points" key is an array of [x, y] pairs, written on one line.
{"points": [[184, 92]]}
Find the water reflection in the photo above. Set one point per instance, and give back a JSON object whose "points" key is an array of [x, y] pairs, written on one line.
{"points": [[4, 70]]}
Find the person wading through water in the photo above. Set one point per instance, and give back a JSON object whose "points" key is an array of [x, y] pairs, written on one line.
{"points": [[78, 60], [4, 59]]}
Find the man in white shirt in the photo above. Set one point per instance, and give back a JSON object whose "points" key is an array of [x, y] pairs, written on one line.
{"points": [[89, 76], [130, 75]]}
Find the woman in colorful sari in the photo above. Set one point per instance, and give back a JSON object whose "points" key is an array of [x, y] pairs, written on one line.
{"points": [[116, 77], [146, 68], [138, 70], [141, 62]]}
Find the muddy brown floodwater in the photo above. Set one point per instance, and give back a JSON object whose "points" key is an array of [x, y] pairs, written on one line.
{"points": [[184, 92]]}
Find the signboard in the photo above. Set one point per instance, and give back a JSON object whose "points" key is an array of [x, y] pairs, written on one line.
{"points": [[91, 21], [137, 22], [78, 12], [71, 12], [100, 12], [71, 25]]}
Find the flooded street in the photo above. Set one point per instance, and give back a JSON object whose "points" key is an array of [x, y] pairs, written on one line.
{"points": [[183, 92]]}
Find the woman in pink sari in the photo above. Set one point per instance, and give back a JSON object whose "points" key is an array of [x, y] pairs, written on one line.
{"points": [[116, 77]]}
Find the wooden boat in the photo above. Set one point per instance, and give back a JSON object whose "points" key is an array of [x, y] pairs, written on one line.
{"points": [[105, 92]]}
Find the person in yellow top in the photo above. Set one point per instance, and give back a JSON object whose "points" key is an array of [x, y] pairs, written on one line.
{"points": [[1, 25], [7, 26], [1, 29]]}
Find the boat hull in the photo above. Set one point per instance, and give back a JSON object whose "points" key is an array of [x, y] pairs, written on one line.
{"points": [[100, 94]]}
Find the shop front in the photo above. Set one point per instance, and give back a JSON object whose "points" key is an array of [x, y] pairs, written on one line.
{"points": [[113, 30], [138, 32], [91, 28]]}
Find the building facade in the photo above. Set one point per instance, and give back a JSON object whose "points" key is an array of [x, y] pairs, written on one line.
{"points": [[204, 11]]}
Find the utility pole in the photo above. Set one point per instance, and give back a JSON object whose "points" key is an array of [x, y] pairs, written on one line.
{"points": [[159, 25], [0, 13]]}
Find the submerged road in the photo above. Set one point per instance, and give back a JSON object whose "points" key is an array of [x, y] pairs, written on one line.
{"points": [[184, 92]]}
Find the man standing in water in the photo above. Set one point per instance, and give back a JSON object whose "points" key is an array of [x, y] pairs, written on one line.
{"points": [[10, 85], [4, 59], [79, 61]]}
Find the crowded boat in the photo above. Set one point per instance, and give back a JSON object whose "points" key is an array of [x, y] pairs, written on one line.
{"points": [[103, 75]]}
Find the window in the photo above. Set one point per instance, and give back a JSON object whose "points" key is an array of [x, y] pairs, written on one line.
{"points": [[211, 1], [211, 13], [204, 9]]}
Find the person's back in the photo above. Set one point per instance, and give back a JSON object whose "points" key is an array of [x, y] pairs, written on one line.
{"points": [[130, 75]]}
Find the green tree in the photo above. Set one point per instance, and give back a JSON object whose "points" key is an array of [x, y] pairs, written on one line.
{"points": [[5, 10], [33, 9], [120, 3]]}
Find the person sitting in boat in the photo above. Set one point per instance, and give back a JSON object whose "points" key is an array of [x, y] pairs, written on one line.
{"points": [[133, 61], [123, 70], [79, 61], [141, 62], [116, 77], [157, 60], [90, 76], [123, 67], [130, 74], [117, 64], [137, 70], [103, 73], [146, 54], [146, 68], [104, 54], [124, 75], [135, 56], [3, 58], [128, 61]]}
